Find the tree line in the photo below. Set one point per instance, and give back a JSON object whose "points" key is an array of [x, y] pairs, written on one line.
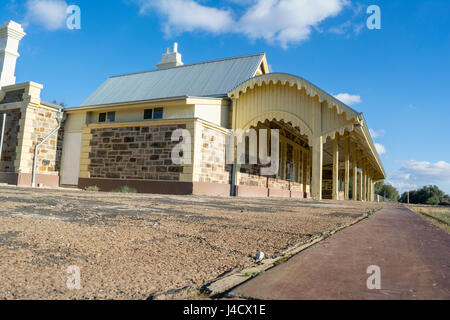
{"points": [[431, 195]]}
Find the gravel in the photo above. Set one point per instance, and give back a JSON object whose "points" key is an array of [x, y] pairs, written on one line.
{"points": [[137, 246]]}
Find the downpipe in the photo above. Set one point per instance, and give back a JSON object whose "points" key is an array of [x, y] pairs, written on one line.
{"points": [[33, 182], [2, 135]]}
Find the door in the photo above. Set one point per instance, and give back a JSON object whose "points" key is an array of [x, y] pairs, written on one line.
{"points": [[70, 162]]}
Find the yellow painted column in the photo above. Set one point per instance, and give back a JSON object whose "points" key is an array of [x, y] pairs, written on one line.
{"points": [[355, 174], [336, 168], [360, 196], [317, 168], [283, 160], [301, 168], [363, 169], [305, 168], [308, 173], [347, 169], [373, 192], [365, 181]]}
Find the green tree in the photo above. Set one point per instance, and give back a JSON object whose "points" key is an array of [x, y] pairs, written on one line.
{"points": [[427, 195], [386, 190]]}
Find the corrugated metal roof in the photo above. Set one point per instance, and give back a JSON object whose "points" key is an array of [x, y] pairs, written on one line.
{"points": [[206, 79]]}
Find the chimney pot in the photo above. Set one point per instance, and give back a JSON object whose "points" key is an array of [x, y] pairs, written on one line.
{"points": [[170, 59]]}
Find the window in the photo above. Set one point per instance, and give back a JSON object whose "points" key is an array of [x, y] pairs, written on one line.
{"points": [[155, 114], [158, 113], [102, 117], [111, 116], [148, 114]]}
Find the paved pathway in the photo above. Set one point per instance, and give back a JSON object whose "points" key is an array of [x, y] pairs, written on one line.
{"points": [[413, 255]]}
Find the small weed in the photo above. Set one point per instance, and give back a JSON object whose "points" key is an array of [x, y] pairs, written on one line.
{"points": [[125, 189], [280, 261], [92, 189], [253, 274]]}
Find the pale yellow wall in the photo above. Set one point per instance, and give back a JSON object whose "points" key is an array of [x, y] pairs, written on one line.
{"points": [[216, 114], [287, 103], [267, 100], [74, 122]]}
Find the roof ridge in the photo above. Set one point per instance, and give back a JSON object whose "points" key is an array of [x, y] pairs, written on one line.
{"points": [[189, 65]]}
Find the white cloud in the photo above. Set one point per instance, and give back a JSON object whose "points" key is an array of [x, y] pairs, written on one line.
{"points": [[423, 170], [51, 14], [188, 15], [414, 174], [341, 29], [403, 186], [376, 133], [284, 22], [380, 149], [348, 98], [287, 21]]}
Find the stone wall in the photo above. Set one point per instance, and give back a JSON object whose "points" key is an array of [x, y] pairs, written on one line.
{"points": [[295, 186], [29, 121], [10, 141], [142, 152], [212, 167], [278, 184], [252, 180], [44, 121]]}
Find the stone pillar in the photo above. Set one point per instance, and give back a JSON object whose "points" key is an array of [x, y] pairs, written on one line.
{"points": [[336, 168], [10, 35], [347, 169]]}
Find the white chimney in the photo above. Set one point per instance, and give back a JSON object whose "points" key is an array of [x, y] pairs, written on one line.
{"points": [[170, 59], [10, 35]]}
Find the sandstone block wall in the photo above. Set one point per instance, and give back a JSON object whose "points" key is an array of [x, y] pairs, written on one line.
{"points": [[142, 152], [43, 123], [12, 129], [211, 164]]}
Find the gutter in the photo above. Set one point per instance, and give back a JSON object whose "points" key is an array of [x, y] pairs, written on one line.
{"points": [[61, 114]]}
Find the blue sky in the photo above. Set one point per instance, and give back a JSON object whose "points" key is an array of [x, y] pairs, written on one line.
{"points": [[398, 76]]}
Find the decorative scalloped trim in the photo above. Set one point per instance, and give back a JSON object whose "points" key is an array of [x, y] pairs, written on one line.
{"points": [[291, 80], [284, 116], [341, 131]]}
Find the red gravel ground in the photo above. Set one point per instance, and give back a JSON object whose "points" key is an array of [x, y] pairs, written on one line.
{"points": [[136, 246]]}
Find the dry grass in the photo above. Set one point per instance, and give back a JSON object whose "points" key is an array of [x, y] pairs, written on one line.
{"points": [[438, 215]]}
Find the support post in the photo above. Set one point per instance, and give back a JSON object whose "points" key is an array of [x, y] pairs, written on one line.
{"points": [[283, 160], [355, 174], [363, 169], [365, 180], [347, 169], [317, 167], [336, 168]]}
